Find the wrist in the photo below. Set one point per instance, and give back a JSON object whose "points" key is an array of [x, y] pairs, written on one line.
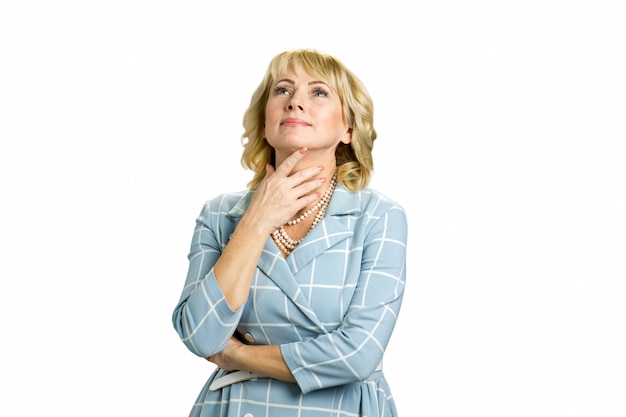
{"points": [[238, 357], [255, 227]]}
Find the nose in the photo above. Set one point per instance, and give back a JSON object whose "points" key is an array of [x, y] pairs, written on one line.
{"points": [[294, 104]]}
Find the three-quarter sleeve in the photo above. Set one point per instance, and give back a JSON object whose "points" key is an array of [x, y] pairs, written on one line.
{"points": [[202, 318]]}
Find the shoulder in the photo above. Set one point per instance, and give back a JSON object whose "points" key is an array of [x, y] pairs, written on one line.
{"points": [[375, 217], [367, 208], [380, 201], [231, 204], [375, 204], [384, 211]]}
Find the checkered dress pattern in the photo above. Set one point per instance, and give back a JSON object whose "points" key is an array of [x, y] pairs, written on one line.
{"points": [[331, 305]]}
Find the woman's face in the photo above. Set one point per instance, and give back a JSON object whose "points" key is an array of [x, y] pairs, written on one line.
{"points": [[303, 111]]}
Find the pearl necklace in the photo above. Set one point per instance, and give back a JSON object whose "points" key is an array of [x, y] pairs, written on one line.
{"points": [[280, 236]]}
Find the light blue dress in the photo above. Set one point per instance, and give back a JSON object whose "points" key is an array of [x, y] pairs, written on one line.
{"points": [[331, 305]]}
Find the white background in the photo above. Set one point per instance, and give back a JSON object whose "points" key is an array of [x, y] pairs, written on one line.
{"points": [[502, 132]]}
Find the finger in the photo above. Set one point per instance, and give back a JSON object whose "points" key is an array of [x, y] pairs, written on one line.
{"points": [[289, 164], [307, 191], [308, 199], [301, 188], [308, 174], [303, 194]]}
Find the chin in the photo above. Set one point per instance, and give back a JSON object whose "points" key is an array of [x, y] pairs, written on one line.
{"points": [[290, 144]]}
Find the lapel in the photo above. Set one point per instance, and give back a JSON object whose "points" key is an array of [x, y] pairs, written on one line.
{"points": [[332, 230], [329, 232]]}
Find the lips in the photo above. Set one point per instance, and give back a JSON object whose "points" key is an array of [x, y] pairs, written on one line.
{"points": [[291, 122]]}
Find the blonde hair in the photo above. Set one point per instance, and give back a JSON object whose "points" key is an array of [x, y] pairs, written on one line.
{"points": [[354, 160]]}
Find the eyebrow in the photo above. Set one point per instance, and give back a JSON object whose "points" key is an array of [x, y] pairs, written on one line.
{"points": [[288, 81]]}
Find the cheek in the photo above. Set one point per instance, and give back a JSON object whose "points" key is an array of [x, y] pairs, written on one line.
{"points": [[270, 113], [337, 119]]}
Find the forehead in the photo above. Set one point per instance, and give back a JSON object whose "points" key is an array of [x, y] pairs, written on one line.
{"points": [[299, 71]]}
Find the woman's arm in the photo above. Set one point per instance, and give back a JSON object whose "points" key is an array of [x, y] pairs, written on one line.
{"points": [[276, 200], [219, 277]]}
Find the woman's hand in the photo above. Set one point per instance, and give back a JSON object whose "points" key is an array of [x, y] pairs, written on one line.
{"points": [[260, 359], [226, 359], [283, 193]]}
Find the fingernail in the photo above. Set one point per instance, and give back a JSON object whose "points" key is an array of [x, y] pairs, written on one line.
{"points": [[303, 150], [320, 167], [322, 179]]}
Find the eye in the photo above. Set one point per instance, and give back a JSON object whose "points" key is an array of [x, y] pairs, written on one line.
{"points": [[318, 92], [281, 90]]}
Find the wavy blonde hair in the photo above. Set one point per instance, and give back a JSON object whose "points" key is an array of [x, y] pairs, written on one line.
{"points": [[354, 160]]}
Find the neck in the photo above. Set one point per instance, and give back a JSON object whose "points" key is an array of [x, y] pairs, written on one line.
{"points": [[313, 157]]}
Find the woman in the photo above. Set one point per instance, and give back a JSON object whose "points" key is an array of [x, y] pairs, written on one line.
{"points": [[294, 285]]}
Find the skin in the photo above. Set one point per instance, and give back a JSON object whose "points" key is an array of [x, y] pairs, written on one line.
{"points": [[304, 124], [304, 111]]}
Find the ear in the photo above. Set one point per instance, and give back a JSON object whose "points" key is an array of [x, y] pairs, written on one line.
{"points": [[347, 137]]}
